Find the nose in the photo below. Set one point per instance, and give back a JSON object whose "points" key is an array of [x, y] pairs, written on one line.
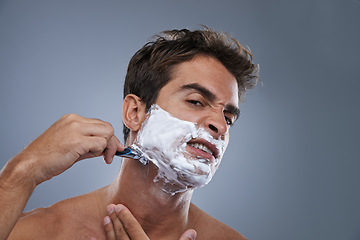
{"points": [[217, 125]]}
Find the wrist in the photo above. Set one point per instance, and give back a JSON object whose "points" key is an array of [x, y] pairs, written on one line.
{"points": [[18, 174]]}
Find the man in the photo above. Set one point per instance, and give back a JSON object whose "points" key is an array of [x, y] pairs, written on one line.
{"points": [[196, 77]]}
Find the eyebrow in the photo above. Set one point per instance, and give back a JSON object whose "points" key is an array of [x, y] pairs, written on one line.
{"points": [[204, 91], [211, 97], [233, 110]]}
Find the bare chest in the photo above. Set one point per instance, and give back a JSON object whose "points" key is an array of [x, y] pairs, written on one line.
{"points": [[81, 231]]}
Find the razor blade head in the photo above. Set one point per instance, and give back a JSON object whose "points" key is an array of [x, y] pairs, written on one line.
{"points": [[135, 153], [139, 155]]}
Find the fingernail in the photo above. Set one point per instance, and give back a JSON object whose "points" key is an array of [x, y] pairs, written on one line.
{"points": [[107, 220], [118, 208], [110, 209], [192, 235], [108, 161]]}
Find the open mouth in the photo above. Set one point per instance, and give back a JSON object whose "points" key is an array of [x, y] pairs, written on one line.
{"points": [[203, 149]]}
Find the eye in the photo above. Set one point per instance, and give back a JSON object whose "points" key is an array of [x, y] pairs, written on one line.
{"points": [[195, 102], [228, 121]]}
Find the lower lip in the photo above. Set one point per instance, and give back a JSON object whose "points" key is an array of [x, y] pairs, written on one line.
{"points": [[200, 153]]}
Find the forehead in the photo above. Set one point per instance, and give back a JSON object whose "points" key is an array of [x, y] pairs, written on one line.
{"points": [[208, 72]]}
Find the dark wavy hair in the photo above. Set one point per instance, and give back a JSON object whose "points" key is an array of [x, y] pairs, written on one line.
{"points": [[150, 68]]}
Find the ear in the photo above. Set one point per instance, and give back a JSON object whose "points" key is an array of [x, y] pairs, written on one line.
{"points": [[133, 112]]}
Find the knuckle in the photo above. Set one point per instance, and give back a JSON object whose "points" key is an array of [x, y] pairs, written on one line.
{"points": [[109, 127], [130, 226], [98, 146], [73, 124], [102, 143], [120, 230], [108, 227], [70, 116], [75, 141], [72, 120], [65, 116], [113, 217]]}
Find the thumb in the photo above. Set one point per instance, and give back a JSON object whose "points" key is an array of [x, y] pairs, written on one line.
{"points": [[189, 234]]}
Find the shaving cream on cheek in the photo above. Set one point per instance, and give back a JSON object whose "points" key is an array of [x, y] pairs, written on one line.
{"points": [[163, 139]]}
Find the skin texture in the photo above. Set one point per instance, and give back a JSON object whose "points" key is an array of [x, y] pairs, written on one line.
{"points": [[133, 206]]}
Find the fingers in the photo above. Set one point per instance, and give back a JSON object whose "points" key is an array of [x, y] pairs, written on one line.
{"points": [[189, 234], [95, 127], [68, 140], [93, 137], [121, 224], [113, 226], [113, 145], [109, 229], [103, 129], [131, 225]]}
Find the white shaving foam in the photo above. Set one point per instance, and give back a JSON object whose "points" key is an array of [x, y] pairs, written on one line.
{"points": [[163, 138]]}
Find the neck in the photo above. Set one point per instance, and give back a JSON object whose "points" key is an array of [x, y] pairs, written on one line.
{"points": [[159, 213]]}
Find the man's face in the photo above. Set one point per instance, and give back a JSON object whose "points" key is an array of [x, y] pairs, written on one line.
{"points": [[202, 91], [186, 132]]}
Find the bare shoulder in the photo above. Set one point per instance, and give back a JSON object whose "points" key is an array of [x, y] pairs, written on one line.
{"points": [[37, 224], [62, 220], [208, 227]]}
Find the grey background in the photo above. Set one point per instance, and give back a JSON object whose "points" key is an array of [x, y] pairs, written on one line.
{"points": [[292, 167]]}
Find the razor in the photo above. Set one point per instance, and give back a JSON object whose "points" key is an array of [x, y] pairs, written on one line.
{"points": [[134, 153]]}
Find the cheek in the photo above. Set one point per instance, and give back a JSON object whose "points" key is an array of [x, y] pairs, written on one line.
{"points": [[227, 137], [226, 141], [185, 115]]}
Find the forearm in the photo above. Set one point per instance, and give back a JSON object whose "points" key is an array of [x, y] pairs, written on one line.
{"points": [[16, 186], [70, 139]]}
